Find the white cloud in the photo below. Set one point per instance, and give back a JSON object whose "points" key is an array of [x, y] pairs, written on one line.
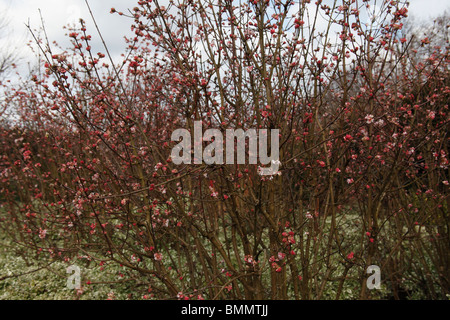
{"points": [[426, 9]]}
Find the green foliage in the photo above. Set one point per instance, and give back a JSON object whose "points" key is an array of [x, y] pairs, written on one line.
{"points": [[22, 280]]}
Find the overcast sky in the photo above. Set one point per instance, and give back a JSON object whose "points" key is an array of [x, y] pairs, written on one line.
{"points": [[57, 13]]}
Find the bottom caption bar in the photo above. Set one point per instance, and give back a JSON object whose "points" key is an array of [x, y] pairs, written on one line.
{"points": [[228, 309]]}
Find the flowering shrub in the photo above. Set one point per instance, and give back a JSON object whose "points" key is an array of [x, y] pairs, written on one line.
{"points": [[362, 109]]}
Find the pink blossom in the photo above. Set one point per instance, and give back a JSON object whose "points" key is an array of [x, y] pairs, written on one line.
{"points": [[158, 256]]}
